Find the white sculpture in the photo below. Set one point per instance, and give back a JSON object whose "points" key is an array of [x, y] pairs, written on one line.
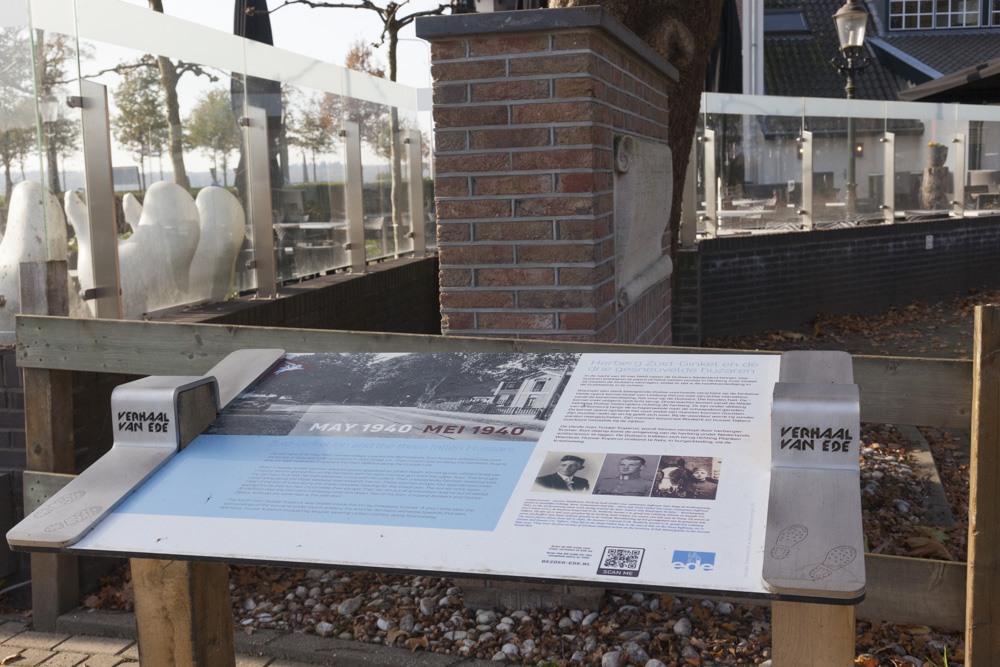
{"points": [[132, 210], [223, 227], [28, 239], [181, 251], [153, 263], [76, 215]]}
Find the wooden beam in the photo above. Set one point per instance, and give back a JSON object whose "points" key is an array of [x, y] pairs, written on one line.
{"points": [[982, 619], [817, 635], [48, 430], [182, 608], [183, 613], [914, 590], [894, 390]]}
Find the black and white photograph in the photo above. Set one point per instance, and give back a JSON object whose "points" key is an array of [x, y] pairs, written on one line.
{"points": [[457, 396], [627, 475], [690, 477], [567, 472]]}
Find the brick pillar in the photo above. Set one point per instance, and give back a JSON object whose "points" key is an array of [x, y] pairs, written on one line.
{"points": [[527, 109]]}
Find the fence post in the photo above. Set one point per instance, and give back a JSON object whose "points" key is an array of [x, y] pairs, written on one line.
{"points": [[982, 612], [416, 177], [889, 177], [48, 428]]}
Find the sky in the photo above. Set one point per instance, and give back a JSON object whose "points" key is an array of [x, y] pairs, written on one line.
{"points": [[324, 34]]}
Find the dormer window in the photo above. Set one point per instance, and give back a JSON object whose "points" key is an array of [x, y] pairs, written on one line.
{"points": [[785, 22], [930, 14]]}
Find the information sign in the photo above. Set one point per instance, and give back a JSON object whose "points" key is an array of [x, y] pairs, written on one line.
{"points": [[646, 470]]}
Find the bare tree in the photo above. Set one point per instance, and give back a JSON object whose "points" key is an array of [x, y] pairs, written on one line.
{"points": [[390, 13], [684, 33]]}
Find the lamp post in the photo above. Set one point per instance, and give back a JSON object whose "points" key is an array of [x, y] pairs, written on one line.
{"points": [[851, 20]]}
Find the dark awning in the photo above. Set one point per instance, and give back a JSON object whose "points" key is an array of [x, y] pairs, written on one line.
{"points": [[979, 84]]}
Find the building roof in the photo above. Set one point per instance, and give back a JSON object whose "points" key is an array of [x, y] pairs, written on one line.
{"points": [[977, 84], [947, 51], [798, 63]]}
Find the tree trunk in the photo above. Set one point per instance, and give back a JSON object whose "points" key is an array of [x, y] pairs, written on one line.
{"points": [[168, 78], [305, 168], [396, 195], [684, 33]]}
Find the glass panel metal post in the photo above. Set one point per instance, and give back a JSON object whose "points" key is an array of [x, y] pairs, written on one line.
{"points": [[416, 194], [255, 139], [106, 294], [355, 197]]}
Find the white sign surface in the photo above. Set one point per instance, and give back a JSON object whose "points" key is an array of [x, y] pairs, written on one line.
{"points": [[650, 470]]}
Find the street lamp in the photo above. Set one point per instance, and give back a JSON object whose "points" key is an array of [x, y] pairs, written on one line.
{"points": [[851, 20]]}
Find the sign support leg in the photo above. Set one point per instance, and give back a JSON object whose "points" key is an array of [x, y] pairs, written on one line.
{"points": [[48, 427], [982, 627], [819, 635], [183, 613]]}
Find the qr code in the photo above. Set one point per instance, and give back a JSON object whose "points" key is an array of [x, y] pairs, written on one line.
{"points": [[621, 561]]}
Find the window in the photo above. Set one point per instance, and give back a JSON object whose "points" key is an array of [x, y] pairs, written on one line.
{"points": [[539, 385], [785, 22], [995, 13], [928, 14], [530, 402]]}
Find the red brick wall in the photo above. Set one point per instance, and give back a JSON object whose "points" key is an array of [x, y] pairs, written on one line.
{"points": [[525, 127]]}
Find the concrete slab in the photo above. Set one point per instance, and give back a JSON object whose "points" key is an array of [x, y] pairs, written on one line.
{"points": [[67, 660], [95, 645], [936, 502], [11, 628], [105, 661], [131, 653], [45, 641], [95, 623], [27, 657]]}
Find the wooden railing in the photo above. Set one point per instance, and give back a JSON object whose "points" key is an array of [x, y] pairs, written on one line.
{"points": [[895, 390]]}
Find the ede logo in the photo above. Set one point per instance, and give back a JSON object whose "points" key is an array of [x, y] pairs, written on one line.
{"points": [[702, 561]]}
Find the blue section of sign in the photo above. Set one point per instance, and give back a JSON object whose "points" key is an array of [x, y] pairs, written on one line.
{"points": [[454, 484], [702, 561]]}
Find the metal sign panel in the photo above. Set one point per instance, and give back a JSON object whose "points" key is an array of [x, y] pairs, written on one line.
{"points": [[614, 469]]}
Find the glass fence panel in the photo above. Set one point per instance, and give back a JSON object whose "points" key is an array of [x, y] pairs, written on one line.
{"points": [[943, 159], [311, 205], [983, 187], [846, 155], [33, 223], [926, 167], [402, 216], [382, 178], [175, 98], [758, 170]]}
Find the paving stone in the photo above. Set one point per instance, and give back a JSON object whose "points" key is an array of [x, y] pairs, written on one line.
{"points": [[28, 656], [106, 661], [131, 653], [11, 628], [65, 660], [40, 640], [95, 645]]}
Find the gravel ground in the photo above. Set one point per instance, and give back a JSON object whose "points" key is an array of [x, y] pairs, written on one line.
{"points": [[651, 630]]}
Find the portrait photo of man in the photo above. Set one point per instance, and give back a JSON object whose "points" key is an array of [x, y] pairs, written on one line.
{"points": [[564, 478], [625, 477]]}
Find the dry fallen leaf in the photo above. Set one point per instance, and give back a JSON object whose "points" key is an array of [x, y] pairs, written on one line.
{"points": [[417, 642], [13, 657], [394, 634]]}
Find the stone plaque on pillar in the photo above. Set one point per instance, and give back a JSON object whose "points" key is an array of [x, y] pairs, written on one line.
{"points": [[643, 198]]}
